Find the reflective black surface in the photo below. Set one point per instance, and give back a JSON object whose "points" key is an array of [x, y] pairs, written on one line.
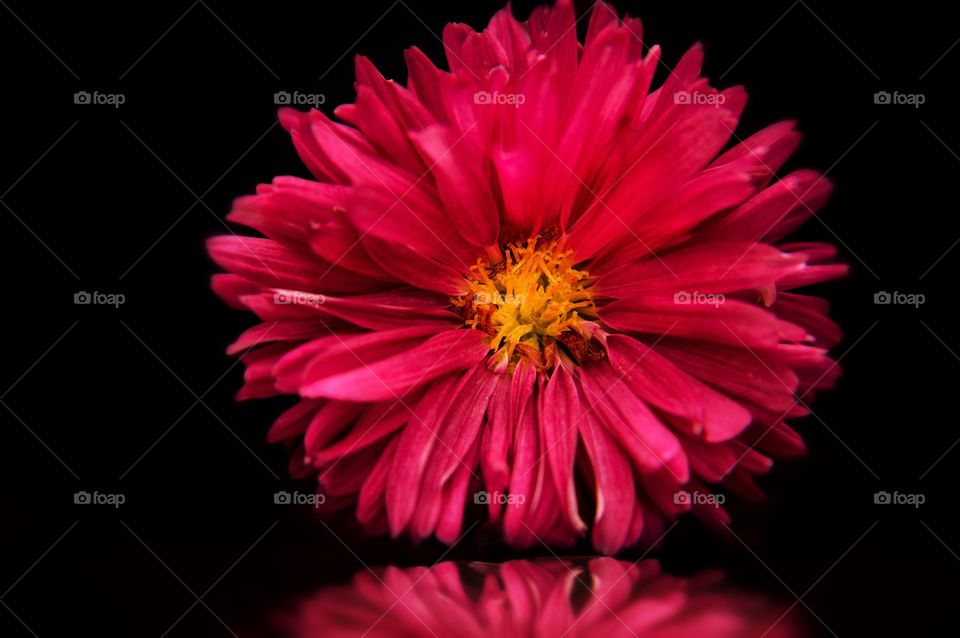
{"points": [[105, 400]]}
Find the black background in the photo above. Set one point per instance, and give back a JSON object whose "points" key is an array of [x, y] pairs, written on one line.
{"points": [[120, 200]]}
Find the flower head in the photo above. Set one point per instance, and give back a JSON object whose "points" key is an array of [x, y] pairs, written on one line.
{"points": [[534, 288]]}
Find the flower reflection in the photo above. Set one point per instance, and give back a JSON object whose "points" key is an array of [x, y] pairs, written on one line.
{"points": [[590, 597]]}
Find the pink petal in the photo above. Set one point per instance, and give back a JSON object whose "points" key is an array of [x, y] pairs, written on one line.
{"points": [[636, 429], [613, 484], [416, 443], [464, 193], [728, 321], [661, 383], [335, 353], [721, 267], [559, 414], [396, 375]]}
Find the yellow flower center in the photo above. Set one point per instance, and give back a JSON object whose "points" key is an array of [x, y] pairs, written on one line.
{"points": [[534, 304]]}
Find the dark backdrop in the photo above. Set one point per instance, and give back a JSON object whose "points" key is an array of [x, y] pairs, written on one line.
{"points": [[138, 399]]}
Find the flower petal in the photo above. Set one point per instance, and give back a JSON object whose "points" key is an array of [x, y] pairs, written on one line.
{"points": [[396, 375]]}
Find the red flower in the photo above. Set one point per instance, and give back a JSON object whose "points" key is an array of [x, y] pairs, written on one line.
{"points": [[532, 283], [520, 598]]}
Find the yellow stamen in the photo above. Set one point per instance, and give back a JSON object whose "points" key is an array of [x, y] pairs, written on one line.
{"points": [[528, 301]]}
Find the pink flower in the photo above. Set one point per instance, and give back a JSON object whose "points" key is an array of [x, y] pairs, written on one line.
{"points": [[520, 598], [530, 286]]}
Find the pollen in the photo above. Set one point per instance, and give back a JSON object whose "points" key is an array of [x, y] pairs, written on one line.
{"points": [[534, 304]]}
